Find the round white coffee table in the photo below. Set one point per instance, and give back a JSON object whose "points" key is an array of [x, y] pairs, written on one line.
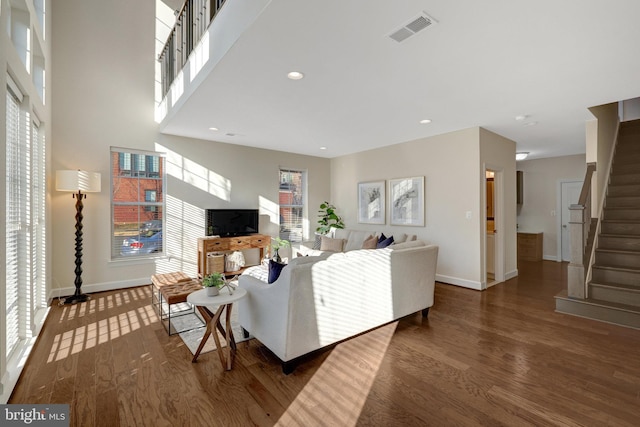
{"points": [[224, 301]]}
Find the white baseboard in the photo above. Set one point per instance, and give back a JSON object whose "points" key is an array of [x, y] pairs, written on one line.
{"points": [[511, 274], [99, 287], [459, 282]]}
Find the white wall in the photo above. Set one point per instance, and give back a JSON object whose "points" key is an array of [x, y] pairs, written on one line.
{"points": [[630, 109], [451, 166], [540, 196], [498, 153], [103, 92]]}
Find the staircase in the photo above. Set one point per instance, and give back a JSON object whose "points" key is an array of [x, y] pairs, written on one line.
{"points": [[614, 290]]}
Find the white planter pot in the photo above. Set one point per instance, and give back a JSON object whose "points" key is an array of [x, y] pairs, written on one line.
{"points": [[212, 291]]}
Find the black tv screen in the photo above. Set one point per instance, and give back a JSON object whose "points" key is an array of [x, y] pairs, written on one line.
{"points": [[231, 222]]}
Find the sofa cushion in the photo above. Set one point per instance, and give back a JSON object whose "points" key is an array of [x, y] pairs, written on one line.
{"points": [[274, 270], [370, 243], [340, 233], [406, 245], [355, 240], [400, 239], [333, 245], [307, 259], [386, 242]]}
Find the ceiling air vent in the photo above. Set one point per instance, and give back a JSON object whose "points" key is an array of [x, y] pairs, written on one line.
{"points": [[416, 25]]}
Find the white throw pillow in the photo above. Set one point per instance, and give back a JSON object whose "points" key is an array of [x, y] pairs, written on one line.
{"points": [[355, 240], [400, 239], [341, 233]]}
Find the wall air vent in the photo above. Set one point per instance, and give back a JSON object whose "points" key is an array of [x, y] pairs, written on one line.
{"points": [[416, 25]]}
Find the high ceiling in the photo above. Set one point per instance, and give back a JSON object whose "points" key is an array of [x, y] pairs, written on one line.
{"points": [[482, 64]]}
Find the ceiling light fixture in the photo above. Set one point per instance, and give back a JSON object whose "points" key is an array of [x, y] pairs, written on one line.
{"points": [[213, 129], [295, 75], [323, 148], [522, 155], [425, 121], [521, 117]]}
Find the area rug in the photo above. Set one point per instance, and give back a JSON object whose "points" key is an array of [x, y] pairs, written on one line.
{"points": [[193, 337]]}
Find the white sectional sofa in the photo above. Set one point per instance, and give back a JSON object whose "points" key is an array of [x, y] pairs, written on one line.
{"points": [[320, 300]]}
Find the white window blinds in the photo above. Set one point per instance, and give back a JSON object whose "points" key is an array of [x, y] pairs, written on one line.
{"points": [[17, 223], [24, 222], [12, 222]]}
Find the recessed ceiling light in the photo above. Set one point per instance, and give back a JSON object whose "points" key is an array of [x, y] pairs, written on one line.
{"points": [[530, 124], [213, 128], [295, 75], [425, 121], [521, 117], [522, 155], [323, 148]]}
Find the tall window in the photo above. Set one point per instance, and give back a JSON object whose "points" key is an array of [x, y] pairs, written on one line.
{"points": [[38, 223], [24, 221], [137, 203], [292, 203]]}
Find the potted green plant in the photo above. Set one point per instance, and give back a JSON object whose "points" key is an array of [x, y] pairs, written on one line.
{"points": [[276, 245], [328, 218], [212, 283]]}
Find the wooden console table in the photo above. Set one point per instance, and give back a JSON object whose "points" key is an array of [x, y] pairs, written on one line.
{"points": [[229, 244]]}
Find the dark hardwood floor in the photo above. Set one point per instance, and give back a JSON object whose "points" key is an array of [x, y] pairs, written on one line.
{"points": [[498, 357]]}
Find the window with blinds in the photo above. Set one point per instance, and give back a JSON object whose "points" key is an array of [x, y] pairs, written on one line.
{"points": [[291, 198], [137, 203], [12, 222], [24, 221], [38, 223]]}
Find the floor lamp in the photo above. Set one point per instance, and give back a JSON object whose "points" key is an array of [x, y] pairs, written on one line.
{"points": [[79, 182]]}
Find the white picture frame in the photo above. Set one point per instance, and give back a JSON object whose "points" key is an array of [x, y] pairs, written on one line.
{"points": [[407, 201], [371, 202]]}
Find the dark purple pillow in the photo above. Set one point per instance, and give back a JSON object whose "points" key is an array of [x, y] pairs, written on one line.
{"points": [[385, 243], [274, 270], [382, 238]]}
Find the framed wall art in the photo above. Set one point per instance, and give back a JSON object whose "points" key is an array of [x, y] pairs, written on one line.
{"points": [[407, 201], [371, 202]]}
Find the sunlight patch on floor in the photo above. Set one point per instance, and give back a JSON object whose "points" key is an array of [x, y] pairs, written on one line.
{"points": [[351, 369], [101, 331]]}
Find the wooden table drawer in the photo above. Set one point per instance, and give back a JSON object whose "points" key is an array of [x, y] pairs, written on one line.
{"points": [[260, 242], [217, 245], [238, 243]]}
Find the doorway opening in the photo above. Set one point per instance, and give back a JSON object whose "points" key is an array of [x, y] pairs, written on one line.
{"points": [[494, 217]]}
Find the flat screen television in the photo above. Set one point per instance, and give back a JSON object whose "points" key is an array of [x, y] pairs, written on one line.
{"points": [[231, 222]]}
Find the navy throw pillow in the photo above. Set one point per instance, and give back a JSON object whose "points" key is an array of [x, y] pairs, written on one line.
{"points": [[274, 270], [385, 243], [382, 238]]}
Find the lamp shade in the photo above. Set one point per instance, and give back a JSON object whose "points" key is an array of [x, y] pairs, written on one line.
{"points": [[77, 180]]}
